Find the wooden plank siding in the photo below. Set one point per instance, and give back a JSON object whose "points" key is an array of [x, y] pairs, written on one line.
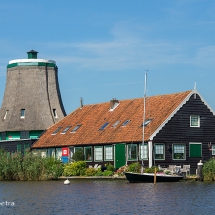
{"points": [[11, 146], [178, 130]]}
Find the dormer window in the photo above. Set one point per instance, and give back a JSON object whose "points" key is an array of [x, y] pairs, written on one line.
{"points": [[55, 113], [22, 113]]}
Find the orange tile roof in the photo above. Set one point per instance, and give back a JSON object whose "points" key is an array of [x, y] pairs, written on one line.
{"points": [[92, 117]]}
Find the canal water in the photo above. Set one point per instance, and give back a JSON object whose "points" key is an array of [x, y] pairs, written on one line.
{"points": [[106, 197]]}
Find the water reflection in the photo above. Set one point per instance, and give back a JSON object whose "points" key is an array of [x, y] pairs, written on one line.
{"points": [[107, 197]]}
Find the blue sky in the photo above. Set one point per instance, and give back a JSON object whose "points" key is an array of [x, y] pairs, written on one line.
{"points": [[103, 48]]}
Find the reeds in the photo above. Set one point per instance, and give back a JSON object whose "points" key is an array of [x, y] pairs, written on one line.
{"points": [[28, 167]]}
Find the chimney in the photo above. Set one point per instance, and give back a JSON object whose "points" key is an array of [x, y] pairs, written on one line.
{"points": [[81, 101], [114, 103]]}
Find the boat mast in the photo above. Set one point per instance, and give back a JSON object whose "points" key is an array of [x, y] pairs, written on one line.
{"points": [[144, 118]]}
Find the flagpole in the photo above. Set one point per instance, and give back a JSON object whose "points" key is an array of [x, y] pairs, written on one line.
{"points": [[144, 118]]}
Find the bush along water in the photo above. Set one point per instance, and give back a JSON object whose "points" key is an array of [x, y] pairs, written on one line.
{"points": [[28, 167], [208, 170]]}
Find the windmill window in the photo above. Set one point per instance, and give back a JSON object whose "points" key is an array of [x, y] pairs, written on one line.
{"points": [[5, 115], [55, 113], [58, 129], [66, 129], [24, 134], [126, 122], [3, 136], [76, 128], [22, 113], [104, 126]]}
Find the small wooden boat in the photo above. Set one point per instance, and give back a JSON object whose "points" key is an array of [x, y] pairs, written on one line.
{"points": [[66, 182], [149, 177]]}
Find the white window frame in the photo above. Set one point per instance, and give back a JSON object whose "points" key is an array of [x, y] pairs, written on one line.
{"points": [[173, 149], [108, 153], [98, 154], [213, 149], [129, 153], [58, 153], [162, 148], [144, 151], [192, 121], [86, 156], [22, 113]]}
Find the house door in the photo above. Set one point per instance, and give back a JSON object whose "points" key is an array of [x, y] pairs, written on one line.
{"points": [[120, 155]]}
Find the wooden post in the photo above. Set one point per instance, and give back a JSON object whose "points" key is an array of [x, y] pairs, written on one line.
{"points": [[155, 175]]}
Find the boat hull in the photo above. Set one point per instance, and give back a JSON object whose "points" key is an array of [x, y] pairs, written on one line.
{"points": [[147, 177]]}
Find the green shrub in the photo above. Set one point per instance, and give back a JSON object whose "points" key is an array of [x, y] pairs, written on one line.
{"points": [[110, 167], [54, 167], [151, 169], [99, 172], [107, 173], [208, 170], [75, 169], [91, 172], [134, 167]]}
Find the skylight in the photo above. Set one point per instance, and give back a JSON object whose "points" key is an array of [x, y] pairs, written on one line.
{"points": [[147, 122], [66, 129], [58, 129], [116, 123], [126, 122], [104, 126], [75, 128]]}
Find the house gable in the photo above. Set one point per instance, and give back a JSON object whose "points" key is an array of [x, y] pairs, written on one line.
{"points": [[178, 127]]}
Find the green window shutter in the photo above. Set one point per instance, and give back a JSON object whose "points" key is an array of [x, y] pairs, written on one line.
{"points": [[19, 147], [195, 150]]}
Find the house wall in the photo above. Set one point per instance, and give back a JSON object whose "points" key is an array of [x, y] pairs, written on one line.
{"points": [[16, 145], [178, 130]]}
